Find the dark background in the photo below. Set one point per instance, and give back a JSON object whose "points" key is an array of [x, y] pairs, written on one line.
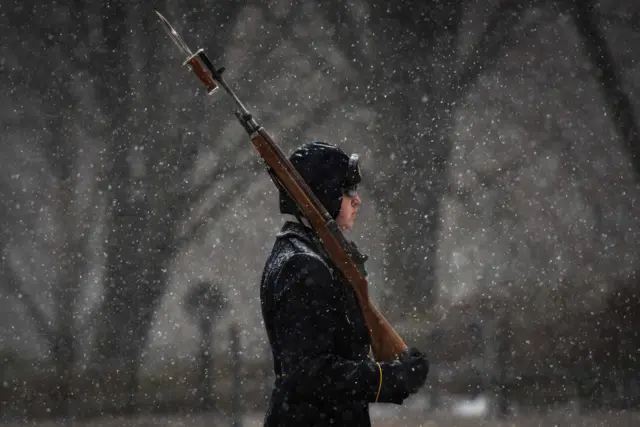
{"points": [[499, 142]]}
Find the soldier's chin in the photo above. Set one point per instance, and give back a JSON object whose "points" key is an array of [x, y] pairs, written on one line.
{"points": [[345, 226]]}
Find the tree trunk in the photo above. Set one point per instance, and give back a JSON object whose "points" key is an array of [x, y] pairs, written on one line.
{"points": [[64, 361], [205, 363], [608, 75], [420, 118], [135, 283], [236, 381], [417, 116]]}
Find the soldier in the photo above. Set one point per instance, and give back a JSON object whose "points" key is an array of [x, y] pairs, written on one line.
{"points": [[317, 332]]}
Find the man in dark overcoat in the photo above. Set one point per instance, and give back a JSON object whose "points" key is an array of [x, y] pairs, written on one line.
{"points": [[324, 374]]}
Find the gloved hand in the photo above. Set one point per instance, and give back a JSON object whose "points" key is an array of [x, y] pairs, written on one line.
{"points": [[416, 367], [402, 377]]}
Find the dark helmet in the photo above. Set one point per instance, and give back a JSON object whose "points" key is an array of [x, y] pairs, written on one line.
{"points": [[328, 171]]}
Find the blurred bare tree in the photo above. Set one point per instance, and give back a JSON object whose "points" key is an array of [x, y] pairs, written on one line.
{"points": [[205, 303], [157, 203], [412, 71], [55, 214], [115, 160], [589, 21]]}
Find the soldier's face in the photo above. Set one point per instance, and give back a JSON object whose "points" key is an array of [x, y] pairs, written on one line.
{"points": [[348, 211]]}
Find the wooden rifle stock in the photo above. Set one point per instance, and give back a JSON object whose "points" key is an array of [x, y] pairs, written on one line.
{"points": [[386, 342]]}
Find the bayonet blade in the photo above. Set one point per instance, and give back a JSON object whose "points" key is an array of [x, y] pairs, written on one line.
{"points": [[175, 36]]}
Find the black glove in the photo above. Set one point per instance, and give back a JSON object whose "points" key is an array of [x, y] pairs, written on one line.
{"points": [[416, 367], [402, 377]]}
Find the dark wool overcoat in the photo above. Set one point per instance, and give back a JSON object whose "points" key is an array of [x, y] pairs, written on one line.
{"points": [[319, 340]]}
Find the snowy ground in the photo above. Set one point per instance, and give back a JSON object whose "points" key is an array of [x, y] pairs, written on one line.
{"points": [[455, 412], [410, 420]]}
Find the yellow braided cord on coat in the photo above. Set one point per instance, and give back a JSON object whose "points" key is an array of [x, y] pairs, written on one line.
{"points": [[379, 385]]}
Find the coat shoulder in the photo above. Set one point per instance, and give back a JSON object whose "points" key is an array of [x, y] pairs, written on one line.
{"points": [[292, 260], [294, 250]]}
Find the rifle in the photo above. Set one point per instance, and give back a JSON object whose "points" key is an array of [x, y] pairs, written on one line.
{"points": [[386, 343]]}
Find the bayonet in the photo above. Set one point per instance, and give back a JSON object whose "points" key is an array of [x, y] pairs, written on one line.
{"points": [[209, 75], [175, 36], [194, 60]]}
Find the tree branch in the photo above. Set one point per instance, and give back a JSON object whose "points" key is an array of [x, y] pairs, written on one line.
{"points": [[497, 35], [196, 195], [221, 206], [486, 180], [618, 102], [631, 22]]}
